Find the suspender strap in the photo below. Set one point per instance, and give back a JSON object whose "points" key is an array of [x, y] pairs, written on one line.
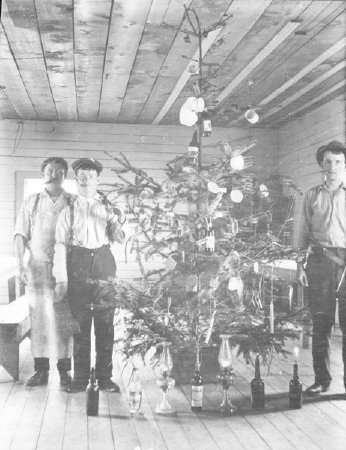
{"points": [[34, 209]]}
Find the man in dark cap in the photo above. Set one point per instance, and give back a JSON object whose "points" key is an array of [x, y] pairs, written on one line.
{"points": [[323, 235], [83, 260], [35, 232]]}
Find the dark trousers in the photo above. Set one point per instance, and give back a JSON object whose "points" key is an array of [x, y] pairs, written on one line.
{"points": [[323, 277], [85, 269], [42, 364]]}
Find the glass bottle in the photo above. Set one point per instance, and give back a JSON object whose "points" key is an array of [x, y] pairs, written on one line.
{"points": [[135, 392], [257, 388], [92, 395], [197, 386], [295, 389]]}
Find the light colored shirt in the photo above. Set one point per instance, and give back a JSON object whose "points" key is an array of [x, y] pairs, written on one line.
{"points": [[323, 217], [94, 225], [38, 227]]}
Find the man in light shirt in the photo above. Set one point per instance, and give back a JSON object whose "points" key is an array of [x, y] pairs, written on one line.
{"points": [[35, 232], [323, 234], [83, 258]]}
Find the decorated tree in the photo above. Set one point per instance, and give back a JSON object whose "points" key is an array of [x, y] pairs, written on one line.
{"points": [[211, 229]]}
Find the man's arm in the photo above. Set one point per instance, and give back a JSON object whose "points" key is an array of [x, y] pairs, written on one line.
{"points": [[62, 238], [19, 251], [21, 237], [303, 239]]}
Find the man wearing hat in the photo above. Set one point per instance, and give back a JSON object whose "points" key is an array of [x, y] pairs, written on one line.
{"points": [[35, 232], [82, 260], [323, 234]]}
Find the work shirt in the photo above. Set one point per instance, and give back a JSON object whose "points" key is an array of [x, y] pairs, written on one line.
{"points": [[37, 225], [94, 225], [324, 217]]}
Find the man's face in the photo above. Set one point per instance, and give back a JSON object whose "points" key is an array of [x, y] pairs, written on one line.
{"points": [[333, 166], [53, 173], [87, 181]]}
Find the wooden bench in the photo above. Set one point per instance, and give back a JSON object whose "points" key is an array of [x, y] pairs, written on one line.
{"points": [[14, 327]]}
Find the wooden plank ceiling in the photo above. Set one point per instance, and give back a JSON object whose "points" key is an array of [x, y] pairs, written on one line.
{"points": [[125, 61]]}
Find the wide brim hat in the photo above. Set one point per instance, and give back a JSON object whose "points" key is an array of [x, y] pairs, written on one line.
{"points": [[87, 163], [333, 146]]}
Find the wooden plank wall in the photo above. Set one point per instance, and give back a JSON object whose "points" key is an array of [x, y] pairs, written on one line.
{"points": [[298, 142], [24, 145]]}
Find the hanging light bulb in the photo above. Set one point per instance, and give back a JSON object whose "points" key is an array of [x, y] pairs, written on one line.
{"points": [[237, 162], [236, 195], [251, 116]]}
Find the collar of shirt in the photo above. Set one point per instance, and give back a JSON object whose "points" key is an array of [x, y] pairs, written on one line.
{"points": [[324, 187]]}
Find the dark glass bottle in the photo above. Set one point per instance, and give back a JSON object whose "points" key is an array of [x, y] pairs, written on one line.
{"points": [[210, 243], [295, 389], [92, 395], [257, 388], [197, 389]]}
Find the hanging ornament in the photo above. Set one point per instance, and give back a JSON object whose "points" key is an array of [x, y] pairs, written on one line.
{"points": [[233, 284], [236, 195], [191, 163], [215, 189], [188, 112], [263, 191], [237, 162]]}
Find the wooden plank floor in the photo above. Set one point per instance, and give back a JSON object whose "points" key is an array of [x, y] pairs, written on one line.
{"points": [[46, 418]]}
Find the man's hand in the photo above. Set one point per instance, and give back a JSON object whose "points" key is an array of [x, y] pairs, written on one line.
{"points": [[301, 276], [23, 275], [60, 291]]}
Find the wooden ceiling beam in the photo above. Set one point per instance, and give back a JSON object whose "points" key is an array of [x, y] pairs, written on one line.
{"points": [[340, 66], [317, 99], [308, 68], [257, 60]]}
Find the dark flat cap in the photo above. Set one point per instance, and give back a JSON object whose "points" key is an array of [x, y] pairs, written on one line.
{"points": [[57, 160], [333, 146], [87, 163]]}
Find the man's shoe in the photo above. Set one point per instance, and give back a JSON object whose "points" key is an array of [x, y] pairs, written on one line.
{"points": [[77, 385], [108, 385], [39, 378], [65, 381], [317, 388]]}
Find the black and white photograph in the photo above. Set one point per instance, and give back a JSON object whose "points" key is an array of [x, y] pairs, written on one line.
{"points": [[172, 224]]}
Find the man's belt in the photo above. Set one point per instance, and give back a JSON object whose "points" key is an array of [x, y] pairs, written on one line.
{"points": [[329, 253]]}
